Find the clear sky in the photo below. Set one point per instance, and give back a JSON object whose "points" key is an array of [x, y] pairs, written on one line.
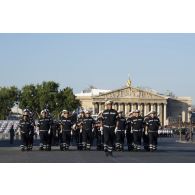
{"points": [[159, 61]]}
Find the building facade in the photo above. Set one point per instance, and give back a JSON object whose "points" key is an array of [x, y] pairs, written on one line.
{"points": [[129, 98]]}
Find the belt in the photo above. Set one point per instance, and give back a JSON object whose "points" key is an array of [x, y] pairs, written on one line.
{"points": [[43, 130], [87, 129], [152, 131], [109, 126], [23, 132], [120, 130], [137, 130]]}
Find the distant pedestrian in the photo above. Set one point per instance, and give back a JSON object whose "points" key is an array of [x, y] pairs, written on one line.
{"points": [[12, 134]]}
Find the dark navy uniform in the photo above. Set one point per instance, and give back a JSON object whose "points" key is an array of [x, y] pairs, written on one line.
{"points": [[66, 127], [137, 128], [129, 135], [99, 134], [44, 125], [109, 125], [78, 133], [87, 134], [32, 133], [55, 132], [26, 131], [145, 136], [153, 125], [120, 133]]}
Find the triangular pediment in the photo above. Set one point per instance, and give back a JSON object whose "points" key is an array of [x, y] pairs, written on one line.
{"points": [[130, 92]]}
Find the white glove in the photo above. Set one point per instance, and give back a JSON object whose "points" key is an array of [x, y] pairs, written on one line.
{"points": [[71, 133], [81, 130], [131, 131], [74, 127], [49, 132], [93, 130], [101, 130], [37, 132], [146, 133], [116, 130]]}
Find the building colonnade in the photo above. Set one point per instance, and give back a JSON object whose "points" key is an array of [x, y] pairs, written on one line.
{"points": [[145, 108]]}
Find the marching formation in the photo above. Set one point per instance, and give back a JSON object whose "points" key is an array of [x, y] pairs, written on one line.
{"points": [[109, 132]]}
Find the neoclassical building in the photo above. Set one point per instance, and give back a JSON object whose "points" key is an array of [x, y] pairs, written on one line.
{"points": [[129, 98]]}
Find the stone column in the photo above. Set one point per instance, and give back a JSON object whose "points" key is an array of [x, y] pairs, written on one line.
{"points": [[130, 108], [116, 106], [139, 106], [165, 114], [94, 108], [119, 107], [98, 107], [189, 114], [133, 107], [158, 109], [126, 109], [145, 109], [152, 107]]}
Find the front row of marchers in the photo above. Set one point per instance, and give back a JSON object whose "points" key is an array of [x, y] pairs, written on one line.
{"points": [[108, 132]]}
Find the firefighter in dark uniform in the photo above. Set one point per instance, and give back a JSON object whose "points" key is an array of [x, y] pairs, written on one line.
{"points": [[153, 125], [109, 125], [78, 130], [137, 122], [99, 133], [44, 128], [50, 133], [145, 134], [25, 130], [129, 133], [88, 129], [55, 132], [120, 132], [32, 130], [66, 130]]}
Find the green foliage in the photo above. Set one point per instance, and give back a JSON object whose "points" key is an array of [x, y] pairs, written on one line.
{"points": [[8, 96], [38, 97]]}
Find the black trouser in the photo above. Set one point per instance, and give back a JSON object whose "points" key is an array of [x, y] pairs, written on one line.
{"points": [[120, 138], [31, 137], [55, 138], [66, 138], [129, 137], [25, 138], [100, 140], [45, 140], [78, 138], [137, 139], [153, 140], [146, 141], [109, 137], [87, 138]]}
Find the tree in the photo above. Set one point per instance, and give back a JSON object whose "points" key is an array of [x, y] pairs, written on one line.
{"points": [[38, 97], [29, 98], [47, 93], [8, 97]]}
